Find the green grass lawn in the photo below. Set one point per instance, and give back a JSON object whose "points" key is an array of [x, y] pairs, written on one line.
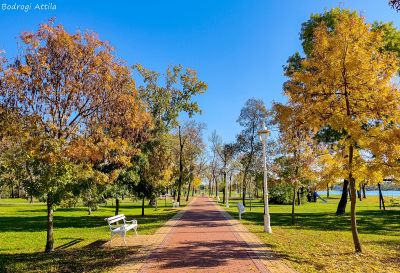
{"points": [[77, 236], [320, 241]]}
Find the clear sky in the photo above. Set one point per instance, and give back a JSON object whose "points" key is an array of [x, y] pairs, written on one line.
{"points": [[237, 46]]}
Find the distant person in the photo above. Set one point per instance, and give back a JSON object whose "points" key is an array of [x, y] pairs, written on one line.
{"points": [[309, 196]]}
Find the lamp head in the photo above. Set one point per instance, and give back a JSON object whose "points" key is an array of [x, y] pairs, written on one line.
{"points": [[263, 133]]}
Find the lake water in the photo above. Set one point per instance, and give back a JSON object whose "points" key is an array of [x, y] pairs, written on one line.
{"points": [[368, 193]]}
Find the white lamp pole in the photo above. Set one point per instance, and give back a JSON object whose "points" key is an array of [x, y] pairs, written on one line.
{"points": [[263, 137]]}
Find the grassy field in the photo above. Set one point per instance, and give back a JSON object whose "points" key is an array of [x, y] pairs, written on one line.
{"points": [[320, 241], [77, 236]]}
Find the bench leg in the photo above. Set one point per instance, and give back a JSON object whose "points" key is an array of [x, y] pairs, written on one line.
{"points": [[136, 231], [240, 216], [110, 239], [123, 237]]}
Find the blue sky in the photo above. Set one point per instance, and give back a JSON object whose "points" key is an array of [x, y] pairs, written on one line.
{"points": [[237, 46]]}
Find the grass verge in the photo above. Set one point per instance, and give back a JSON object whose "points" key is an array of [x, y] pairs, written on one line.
{"points": [[78, 236], [320, 241]]}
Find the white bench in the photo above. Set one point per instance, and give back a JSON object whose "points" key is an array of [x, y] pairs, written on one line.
{"points": [[241, 209], [175, 204], [121, 229]]}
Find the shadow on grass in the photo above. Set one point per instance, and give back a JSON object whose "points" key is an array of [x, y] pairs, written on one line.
{"points": [[91, 258], [373, 222], [38, 223], [69, 244]]}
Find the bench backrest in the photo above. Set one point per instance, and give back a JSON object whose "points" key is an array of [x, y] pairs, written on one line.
{"points": [[116, 218], [240, 206]]}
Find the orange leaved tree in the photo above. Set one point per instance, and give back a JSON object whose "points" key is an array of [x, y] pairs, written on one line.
{"points": [[346, 83]]}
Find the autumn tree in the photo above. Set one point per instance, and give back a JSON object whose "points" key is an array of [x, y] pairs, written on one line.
{"points": [[215, 162], [72, 96], [346, 83], [166, 96], [190, 147], [226, 153], [296, 148], [250, 118], [391, 43]]}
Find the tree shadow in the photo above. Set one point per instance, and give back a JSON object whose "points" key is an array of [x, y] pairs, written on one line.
{"points": [[373, 222], [207, 254], [69, 244], [38, 223], [91, 258]]}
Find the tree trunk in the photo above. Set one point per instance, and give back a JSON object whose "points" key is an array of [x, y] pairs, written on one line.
{"points": [[381, 200], [298, 197], [354, 231], [357, 243], [188, 192], [223, 196], [250, 196], [244, 196], [50, 236], [230, 187], [244, 187], [341, 209], [363, 191], [116, 206], [293, 203], [143, 206], [216, 189], [180, 164], [327, 190], [193, 191], [12, 191]]}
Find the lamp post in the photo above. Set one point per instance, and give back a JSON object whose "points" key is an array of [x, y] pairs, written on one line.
{"points": [[263, 133], [225, 169]]}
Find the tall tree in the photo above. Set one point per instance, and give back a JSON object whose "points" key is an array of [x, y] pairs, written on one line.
{"points": [[215, 164], [346, 83], [190, 146], [296, 147], [391, 42], [250, 118], [165, 102], [67, 90]]}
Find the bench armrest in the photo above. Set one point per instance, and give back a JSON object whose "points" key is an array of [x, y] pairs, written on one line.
{"points": [[132, 221]]}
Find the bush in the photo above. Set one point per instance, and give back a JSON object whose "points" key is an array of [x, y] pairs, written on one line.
{"points": [[280, 193]]}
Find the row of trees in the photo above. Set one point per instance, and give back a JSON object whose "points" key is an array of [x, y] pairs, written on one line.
{"points": [[74, 126], [340, 123]]}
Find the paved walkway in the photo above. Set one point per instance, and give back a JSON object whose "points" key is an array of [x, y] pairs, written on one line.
{"points": [[207, 239]]}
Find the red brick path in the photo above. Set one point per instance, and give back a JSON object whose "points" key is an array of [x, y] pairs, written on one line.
{"points": [[203, 240]]}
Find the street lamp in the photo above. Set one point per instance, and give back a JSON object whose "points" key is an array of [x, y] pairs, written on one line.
{"points": [[225, 169], [263, 137]]}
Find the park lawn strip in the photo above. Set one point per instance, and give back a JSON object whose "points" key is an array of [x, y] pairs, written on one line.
{"points": [[78, 236], [320, 241]]}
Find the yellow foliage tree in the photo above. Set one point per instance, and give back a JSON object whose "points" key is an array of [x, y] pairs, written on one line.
{"points": [[296, 148], [346, 83]]}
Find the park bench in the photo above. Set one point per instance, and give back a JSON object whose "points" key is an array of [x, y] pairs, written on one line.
{"points": [[241, 209], [175, 204], [121, 229]]}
